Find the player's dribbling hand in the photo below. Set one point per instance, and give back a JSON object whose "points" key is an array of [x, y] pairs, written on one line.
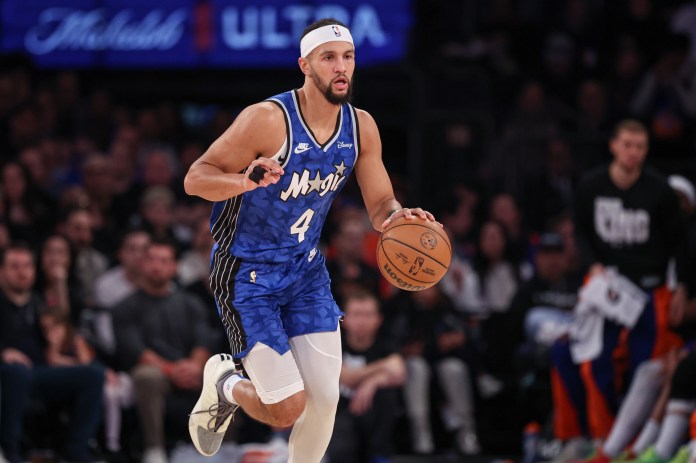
{"points": [[409, 214], [271, 176]]}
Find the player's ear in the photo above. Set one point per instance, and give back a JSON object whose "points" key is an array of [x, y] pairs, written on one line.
{"points": [[304, 66]]}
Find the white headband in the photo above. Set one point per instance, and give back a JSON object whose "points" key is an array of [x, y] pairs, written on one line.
{"points": [[331, 33]]}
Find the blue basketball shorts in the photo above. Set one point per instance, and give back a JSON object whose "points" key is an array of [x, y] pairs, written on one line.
{"points": [[272, 302]]}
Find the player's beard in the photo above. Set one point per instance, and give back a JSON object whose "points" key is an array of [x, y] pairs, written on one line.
{"points": [[330, 96]]}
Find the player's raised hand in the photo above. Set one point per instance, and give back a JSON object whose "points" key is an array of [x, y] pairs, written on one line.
{"points": [[262, 172]]}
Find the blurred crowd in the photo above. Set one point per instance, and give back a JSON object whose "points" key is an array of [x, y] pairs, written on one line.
{"points": [[106, 315]]}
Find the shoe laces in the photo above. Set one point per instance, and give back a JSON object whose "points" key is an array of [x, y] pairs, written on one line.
{"points": [[219, 413]]}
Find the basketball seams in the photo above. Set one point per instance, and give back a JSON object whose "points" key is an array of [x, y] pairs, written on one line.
{"points": [[415, 249], [444, 238], [409, 276], [396, 268]]}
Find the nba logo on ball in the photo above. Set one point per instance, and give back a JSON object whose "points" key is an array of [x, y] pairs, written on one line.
{"points": [[336, 31], [428, 241], [413, 254]]}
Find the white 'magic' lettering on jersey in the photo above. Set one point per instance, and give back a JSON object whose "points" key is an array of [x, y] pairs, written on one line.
{"points": [[619, 226], [301, 184]]}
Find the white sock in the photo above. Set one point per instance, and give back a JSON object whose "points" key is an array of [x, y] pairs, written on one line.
{"points": [[228, 385]]}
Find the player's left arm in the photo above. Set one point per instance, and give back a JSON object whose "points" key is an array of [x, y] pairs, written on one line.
{"points": [[375, 185]]}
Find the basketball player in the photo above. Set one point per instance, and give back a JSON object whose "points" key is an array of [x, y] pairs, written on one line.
{"points": [[627, 217], [273, 175]]}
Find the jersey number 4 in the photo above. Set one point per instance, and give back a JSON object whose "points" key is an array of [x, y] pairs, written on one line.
{"points": [[301, 226]]}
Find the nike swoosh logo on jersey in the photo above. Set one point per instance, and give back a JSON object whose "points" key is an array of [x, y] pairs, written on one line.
{"points": [[301, 148]]}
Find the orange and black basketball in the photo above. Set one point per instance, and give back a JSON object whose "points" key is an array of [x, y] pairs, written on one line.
{"points": [[413, 254]]}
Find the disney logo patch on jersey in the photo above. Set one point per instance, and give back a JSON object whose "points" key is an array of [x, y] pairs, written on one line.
{"points": [[341, 144], [301, 184]]}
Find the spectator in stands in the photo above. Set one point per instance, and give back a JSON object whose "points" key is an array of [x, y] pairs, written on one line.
{"points": [[66, 347], [119, 282], [90, 264], [24, 125], [488, 284], [550, 192], [458, 211], [56, 281], [98, 182], [494, 276], [627, 217], [160, 168], [521, 148], [505, 211], [194, 264], [347, 267], [27, 212], [563, 225], [646, 405], [157, 215], [34, 160], [371, 373], [540, 312], [163, 338], [25, 372], [666, 98], [194, 275], [116, 284], [123, 161], [544, 304], [436, 347]]}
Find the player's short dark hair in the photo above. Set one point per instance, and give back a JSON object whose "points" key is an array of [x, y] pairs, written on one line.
{"points": [[630, 125], [321, 23]]}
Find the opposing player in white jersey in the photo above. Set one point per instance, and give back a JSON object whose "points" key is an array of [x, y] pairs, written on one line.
{"points": [[273, 175]]}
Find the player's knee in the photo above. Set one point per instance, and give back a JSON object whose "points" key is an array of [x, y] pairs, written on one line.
{"points": [[323, 397], [287, 411]]}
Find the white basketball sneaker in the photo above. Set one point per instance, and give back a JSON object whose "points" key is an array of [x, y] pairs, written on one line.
{"points": [[212, 414]]}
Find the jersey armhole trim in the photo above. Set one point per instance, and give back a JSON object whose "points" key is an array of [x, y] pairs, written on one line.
{"points": [[356, 130], [284, 158]]}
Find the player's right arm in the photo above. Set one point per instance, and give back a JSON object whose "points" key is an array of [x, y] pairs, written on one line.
{"points": [[221, 172]]}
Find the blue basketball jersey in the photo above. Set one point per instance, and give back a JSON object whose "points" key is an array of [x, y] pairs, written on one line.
{"points": [[283, 220]]}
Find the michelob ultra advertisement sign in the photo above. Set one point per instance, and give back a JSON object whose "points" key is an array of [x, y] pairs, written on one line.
{"points": [[188, 33]]}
